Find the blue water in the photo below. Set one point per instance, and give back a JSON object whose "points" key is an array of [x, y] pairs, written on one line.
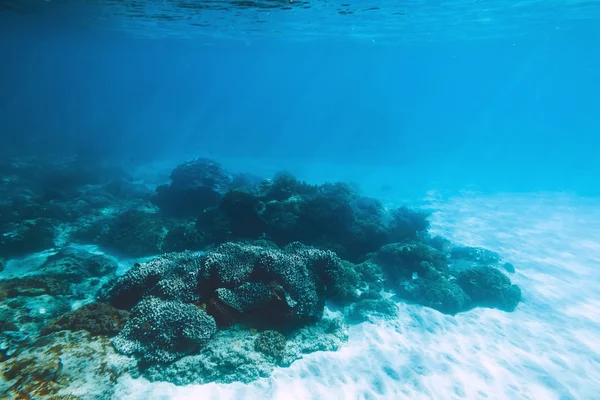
{"points": [[415, 102], [518, 108]]}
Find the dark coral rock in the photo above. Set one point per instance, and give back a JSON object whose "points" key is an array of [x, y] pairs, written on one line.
{"points": [[341, 281], [214, 226], [33, 286], [243, 210], [283, 186], [201, 173], [300, 278], [407, 224], [282, 218], [228, 266], [96, 318], [75, 265], [475, 254], [247, 297], [135, 233], [369, 231], [8, 316], [369, 309], [401, 260], [162, 331], [330, 216], [371, 277], [64, 365], [439, 243], [126, 190], [271, 343], [299, 269], [254, 303], [440, 294], [33, 378], [19, 239], [67, 179], [489, 287], [2, 264], [463, 258], [172, 276], [195, 185], [183, 237], [230, 306], [508, 267], [224, 315], [327, 216], [245, 181]]}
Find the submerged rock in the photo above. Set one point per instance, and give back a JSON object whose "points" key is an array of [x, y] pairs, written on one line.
{"points": [[372, 309], [172, 276], [26, 237], [30, 286], [163, 331], [96, 318], [271, 343], [331, 216], [75, 265], [195, 185], [489, 287], [260, 285], [402, 260], [475, 254], [134, 233], [237, 354], [64, 365], [440, 294], [463, 257]]}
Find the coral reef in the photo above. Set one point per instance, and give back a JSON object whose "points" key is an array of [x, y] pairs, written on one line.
{"points": [[244, 277], [47, 290], [195, 185], [260, 285], [462, 257], [330, 216], [162, 331], [402, 260], [450, 283], [172, 276], [74, 265], [371, 307], [271, 343], [237, 354], [24, 237], [96, 318], [489, 287], [441, 294], [64, 365]]}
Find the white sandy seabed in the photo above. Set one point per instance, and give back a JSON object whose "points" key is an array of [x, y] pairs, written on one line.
{"points": [[549, 348]]}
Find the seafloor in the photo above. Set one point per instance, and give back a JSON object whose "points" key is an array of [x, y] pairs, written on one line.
{"points": [[204, 281]]}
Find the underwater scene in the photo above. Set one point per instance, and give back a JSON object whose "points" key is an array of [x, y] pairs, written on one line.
{"points": [[299, 199]]}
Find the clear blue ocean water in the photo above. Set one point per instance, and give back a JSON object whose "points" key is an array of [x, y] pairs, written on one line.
{"points": [[485, 114]]}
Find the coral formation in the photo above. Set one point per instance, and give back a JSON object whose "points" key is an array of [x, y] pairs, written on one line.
{"points": [[242, 273], [162, 331], [271, 343], [195, 185], [172, 276], [489, 287], [64, 365], [96, 318], [371, 308]]}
